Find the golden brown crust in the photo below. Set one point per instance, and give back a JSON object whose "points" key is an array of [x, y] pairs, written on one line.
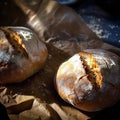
{"points": [[20, 56], [15, 40], [92, 68], [90, 80]]}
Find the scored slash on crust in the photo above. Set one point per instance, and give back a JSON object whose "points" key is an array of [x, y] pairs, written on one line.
{"points": [[15, 40], [92, 68]]}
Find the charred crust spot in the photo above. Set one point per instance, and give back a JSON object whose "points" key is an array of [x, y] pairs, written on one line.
{"points": [[15, 40]]}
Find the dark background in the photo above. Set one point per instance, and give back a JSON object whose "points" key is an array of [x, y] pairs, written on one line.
{"points": [[102, 16]]}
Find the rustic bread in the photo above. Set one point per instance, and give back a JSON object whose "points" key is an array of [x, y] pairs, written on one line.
{"points": [[90, 80], [21, 54]]}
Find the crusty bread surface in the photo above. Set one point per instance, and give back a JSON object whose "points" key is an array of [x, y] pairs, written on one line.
{"points": [[21, 54], [90, 80]]}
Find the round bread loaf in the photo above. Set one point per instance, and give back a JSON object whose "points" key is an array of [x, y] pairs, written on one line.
{"points": [[90, 80], [21, 54]]}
